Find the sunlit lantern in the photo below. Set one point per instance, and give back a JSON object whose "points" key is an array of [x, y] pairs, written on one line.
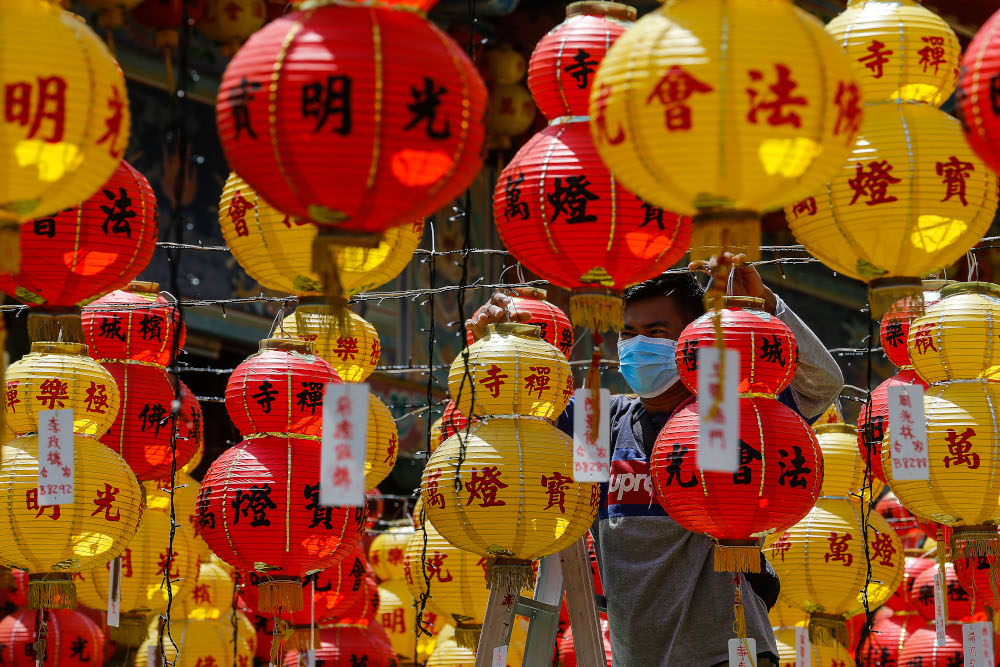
{"points": [[352, 347], [135, 323], [200, 644], [976, 95], [348, 645], [387, 549], [211, 594]]}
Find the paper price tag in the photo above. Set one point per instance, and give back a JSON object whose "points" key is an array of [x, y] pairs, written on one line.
{"points": [[908, 432], [499, 657], [591, 444], [55, 457], [803, 649], [742, 652], [115, 592], [344, 440], [940, 620], [718, 422], [977, 644]]}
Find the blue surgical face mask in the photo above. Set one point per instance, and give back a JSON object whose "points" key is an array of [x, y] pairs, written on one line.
{"points": [[648, 364]]}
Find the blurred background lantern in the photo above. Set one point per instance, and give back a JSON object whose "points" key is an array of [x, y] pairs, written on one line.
{"points": [[900, 518], [921, 647], [888, 635], [185, 496], [66, 120], [231, 22], [347, 645], [728, 144], [83, 250], [512, 110], [554, 326], [351, 347], [567, 647], [976, 93], [211, 594], [166, 18], [453, 421], [388, 548], [134, 323], [904, 599], [111, 13], [71, 639], [396, 614], [200, 643], [959, 605]]}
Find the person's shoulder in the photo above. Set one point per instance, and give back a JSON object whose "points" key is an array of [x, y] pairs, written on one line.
{"points": [[622, 403]]}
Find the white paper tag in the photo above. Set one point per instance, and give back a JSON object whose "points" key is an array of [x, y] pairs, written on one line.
{"points": [[940, 620], [742, 652], [908, 433], [114, 592], [803, 650], [152, 656], [591, 446], [977, 644], [55, 457], [345, 437], [499, 657], [311, 658], [718, 426]]}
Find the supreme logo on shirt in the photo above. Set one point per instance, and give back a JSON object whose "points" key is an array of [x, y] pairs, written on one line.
{"points": [[630, 490]]}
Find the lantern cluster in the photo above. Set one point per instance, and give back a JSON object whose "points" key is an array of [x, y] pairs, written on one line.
{"points": [[512, 111]]}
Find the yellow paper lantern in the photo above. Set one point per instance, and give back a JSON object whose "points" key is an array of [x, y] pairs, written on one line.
{"points": [[52, 542], [505, 64], [276, 250], [450, 654], [199, 453], [697, 111], [511, 371], [383, 442], [66, 115], [211, 594], [185, 505], [200, 644], [387, 550], [398, 617], [932, 197], [955, 338], [843, 464], [899, 50], [820, 655], [517, 500], [230, 22], [143, 591], [111, 13], [352, 349], [784, 615], [55, 376], [512, 111]]}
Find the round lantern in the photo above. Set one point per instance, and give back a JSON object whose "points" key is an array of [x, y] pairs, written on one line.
{"points": [[185, 497], [198, 644], [895, 326], [144, 429], [231, 22], [189, 427], [451, 654], [888, 635], [900, 518], [934, 198], [51, 542], [166, 17], [351, 347], [383, 442], [387, 549], [347, 645], [143, 592], [66, 123], [279, 389], [921, 648], [409, 133], [979, 578], [396, 614], [899, 50], [258, 510], [134, 324], [276, 250], [873, 420], [211, 594], [976, 92], [769, 353], [511, 370], [959, 605], [505, 64], [553, 325], [71, 639], [511, 468], [512, 112], [781, 469], [843, 465], [453, 421], [685, 130], [55, 376]]}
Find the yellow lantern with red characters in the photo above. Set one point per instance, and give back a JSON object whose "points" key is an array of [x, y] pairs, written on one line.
{"points": [[230, 22], [387, 550], [212, 592], [200, 643], [383, 442], [351, 346]]}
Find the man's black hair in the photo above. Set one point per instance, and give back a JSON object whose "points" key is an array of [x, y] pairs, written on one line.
{"points": [[687, 293]]}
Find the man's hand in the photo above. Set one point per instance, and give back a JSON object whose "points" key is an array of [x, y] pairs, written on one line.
{"points": [[746, 281], [501, 308]]}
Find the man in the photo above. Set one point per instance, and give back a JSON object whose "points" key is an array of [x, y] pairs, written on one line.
{"points": [[667, 606]]}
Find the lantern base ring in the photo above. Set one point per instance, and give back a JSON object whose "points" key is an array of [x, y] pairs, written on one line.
{"points": [[884, 293], [510, 574], [973, 541], [467, 635], [827, 629], [737, 556], [131, 630], [278, 592], [51, 590]]}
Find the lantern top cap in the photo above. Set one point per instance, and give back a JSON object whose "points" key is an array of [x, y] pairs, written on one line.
{"points": [[936, 285], [750, 302], [615, 10], [287, 344], [846, 429], [50, 347], [142, 286], [517, 329], [988, 289]]}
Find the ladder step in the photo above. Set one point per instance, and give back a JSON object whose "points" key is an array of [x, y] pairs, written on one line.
{"points": [[528, 607]]}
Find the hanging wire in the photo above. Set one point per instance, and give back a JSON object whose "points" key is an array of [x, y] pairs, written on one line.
{"points": [[867, 499]]}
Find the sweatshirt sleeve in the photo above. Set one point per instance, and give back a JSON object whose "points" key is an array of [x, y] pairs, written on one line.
{"points": [[818, 380]]}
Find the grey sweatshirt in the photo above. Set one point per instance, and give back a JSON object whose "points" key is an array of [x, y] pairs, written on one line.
{"points": [[667, 606]]}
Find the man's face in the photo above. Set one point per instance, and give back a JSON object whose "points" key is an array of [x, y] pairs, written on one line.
{"points": [[656, 317]]}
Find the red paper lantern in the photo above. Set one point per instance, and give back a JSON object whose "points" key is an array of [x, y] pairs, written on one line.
{"points": [[72, 639], [279, 389], [391, 95], [82, 252], [888, 635], [776, 485], [167, 15], [921, 648], [959, 601], [142, 431], [259, 510], [453, 421], [903, 598], [895, 326], [134, 323], [873, 421], [976, 93], [348, 645], [902, 521], [555, 326], [768, 351], [189, 424]]}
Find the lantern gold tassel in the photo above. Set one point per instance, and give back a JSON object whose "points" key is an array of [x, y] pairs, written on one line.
{"points": [[510, 574], [280, 593], [737, 232], [325, 265], [883, 293], [467, 635], [131, 630], [598, 310], [51, 590], [827, 629], [973, 542], [283, 632], [941, 554], [55, 326], [737, 556], [10, 241], [739, 616], [305, 637]]}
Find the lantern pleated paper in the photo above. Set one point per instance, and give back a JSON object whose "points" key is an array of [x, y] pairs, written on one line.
{"points": [[305, 87], [453, 421], [276, 250], [383, 442], [451, 654], [979, 579], [921, 648], [933, 198], [895, 326], [258, 510], [887, 638], [843, 464], [347, 645], [397, 615], [904, 599], [66, 119], [352, 348], [200, 644], [143, 591], [387, 550], [231, 22], [960, 603], [211, 594], [554, 326], [976, 93], [185, 498], [682, 127], [511, 371], [567, 647], [71, 639], [134, 323], [900, 518]]}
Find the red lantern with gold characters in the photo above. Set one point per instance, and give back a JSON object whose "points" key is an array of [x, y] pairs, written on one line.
{"points": [[134, 323], [384, 89]]}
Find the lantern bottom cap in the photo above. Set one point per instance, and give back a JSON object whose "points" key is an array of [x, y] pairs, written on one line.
{"points": [[510, 574], [828, 629], [596, 310], [737, 556], [51, 591], [467, 635], [884, 293]]}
